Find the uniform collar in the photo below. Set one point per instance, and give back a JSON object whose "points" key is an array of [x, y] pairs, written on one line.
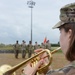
{"points": [[72, 64]]}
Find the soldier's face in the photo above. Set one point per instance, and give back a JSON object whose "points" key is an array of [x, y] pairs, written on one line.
{"points": [[64, 40]]}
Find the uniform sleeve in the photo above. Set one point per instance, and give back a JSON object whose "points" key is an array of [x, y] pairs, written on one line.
{"points": [[55, 72], [61, 71]]}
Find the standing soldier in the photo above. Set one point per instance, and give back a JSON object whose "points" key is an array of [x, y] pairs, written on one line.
{"points": [[48, 45], [42, 45], [17, 47], [36, 46], [23, 47], [30, 48]]}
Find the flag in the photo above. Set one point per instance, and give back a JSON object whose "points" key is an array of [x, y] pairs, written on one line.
{"points": [[45, 40]]}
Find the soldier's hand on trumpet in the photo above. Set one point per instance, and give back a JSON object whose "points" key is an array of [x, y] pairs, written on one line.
{"points": [[30, 70], [42, 56]]}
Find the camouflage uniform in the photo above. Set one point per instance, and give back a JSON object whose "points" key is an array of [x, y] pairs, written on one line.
{"points": [[63, 71], [30, 49], [36, 46], [23, 47], [48, 45], [16, 47], [43, 45], [67, 15]]}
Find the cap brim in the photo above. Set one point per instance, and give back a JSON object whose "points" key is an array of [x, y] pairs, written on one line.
{"points": [[58, 24]]}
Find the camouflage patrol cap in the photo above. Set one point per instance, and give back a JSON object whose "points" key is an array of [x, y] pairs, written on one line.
{"points": [[67, 15]]}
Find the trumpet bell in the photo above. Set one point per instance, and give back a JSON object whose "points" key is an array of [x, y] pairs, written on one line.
{"points": [[1, 73], [5, 68]]}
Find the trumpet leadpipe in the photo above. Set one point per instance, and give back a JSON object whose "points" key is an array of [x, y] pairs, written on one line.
{"points": [[52, 52]]}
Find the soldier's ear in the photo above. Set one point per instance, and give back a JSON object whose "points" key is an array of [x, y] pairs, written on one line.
{"points": [[69, 33]]}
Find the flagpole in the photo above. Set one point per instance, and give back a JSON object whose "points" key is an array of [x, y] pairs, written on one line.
{"points": [[30, 5]]}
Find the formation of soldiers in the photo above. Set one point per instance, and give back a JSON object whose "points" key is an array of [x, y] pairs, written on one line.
{"points": [[24, 48]]}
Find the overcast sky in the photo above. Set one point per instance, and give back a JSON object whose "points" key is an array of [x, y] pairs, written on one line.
{"points": [[15, 20]]}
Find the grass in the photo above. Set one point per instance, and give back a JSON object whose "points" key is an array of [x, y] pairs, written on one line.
{"points": [[58, 61], [6, 48]]}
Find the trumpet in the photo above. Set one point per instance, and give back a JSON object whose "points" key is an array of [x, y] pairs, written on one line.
{"points": [[8, 70]]}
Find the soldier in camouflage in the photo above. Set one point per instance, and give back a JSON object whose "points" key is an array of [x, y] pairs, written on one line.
{"points": [[30, 49], [43, 46], [23, 48], [36, 46], [66, 26], [48, 45], [16, 47]]}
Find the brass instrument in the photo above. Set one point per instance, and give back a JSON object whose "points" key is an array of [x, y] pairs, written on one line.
{"points": [[8, 70]]}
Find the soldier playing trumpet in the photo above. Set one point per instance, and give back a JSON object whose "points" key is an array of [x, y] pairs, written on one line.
{"points": [[66, 27]]}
